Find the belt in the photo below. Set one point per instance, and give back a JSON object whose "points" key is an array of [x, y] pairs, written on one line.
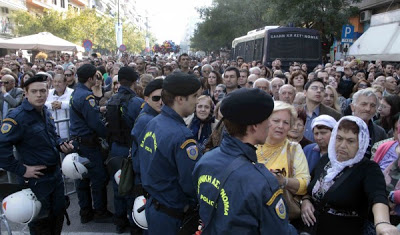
{"points": [[176, 213]]}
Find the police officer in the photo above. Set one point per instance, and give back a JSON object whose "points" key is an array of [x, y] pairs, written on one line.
{"points": [[152, 96], [122, 111], [86, 126], [31, 129], [167, 153], [250, 200]]}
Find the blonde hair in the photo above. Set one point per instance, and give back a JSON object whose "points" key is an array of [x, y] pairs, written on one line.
{"points": [[280, 106], [336, 97]]}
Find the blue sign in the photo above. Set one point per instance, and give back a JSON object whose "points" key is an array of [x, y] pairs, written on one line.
{"points": [[347, 33], [87, 44]]}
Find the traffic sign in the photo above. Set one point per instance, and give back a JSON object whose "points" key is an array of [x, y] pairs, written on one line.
{"points": [[122, 48], [87, 44], [347, 33]]}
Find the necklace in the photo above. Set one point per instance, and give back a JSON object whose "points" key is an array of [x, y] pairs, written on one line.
{"points": [[265, 154]]}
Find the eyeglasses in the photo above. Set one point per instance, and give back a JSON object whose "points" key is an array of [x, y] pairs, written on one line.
{"points": [[156, 98], [316, 88], [68, 74], [1, 82], [250, 83], [362, 85]]}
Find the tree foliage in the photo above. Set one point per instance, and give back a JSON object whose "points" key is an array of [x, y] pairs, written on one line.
{"points": [[78, 26], [228, 19]]}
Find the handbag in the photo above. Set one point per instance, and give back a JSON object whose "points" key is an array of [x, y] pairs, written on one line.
{"points": [[127, 180], [292, 201]]}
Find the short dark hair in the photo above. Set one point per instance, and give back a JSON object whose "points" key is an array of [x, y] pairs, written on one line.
{"points": [[308, 84], [301, 114], [235, 129], [320, 127], [239, 57], [297, 73], [183, 54], [244, 71], [231, 68], [349, 126], [167, 98]]}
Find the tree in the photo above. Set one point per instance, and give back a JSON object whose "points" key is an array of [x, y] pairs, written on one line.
{"points": [[226, 20], [133, 39], [326, 16]]}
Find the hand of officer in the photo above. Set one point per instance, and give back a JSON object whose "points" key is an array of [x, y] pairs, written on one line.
{"points": [[67, 147], [34, 171], [3, 89]]}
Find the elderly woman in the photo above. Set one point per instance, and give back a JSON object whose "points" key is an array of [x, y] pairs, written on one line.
{"points": [[202, 122], [279, 154], [346, 187], [322, 127]]}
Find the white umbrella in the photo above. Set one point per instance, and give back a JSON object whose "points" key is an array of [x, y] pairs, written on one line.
{"points": [[40, 41]]}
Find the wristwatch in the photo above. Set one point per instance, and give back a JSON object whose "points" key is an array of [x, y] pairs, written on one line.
{"points": [[301, 201]]}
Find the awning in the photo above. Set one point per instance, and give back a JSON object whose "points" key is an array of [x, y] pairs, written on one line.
{"points": [[40, 41], [378, 42]]}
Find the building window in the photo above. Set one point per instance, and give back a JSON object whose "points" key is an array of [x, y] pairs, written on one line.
{"points": [[55, 2], [4, 10], [63, 3]]}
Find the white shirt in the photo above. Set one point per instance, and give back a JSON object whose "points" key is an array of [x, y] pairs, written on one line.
{"points": [[63, 113]]}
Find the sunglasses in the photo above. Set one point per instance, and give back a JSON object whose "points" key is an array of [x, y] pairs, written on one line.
{"points": [[1, 82], [68, 75], [281, 172], [250, 83], [156, 98]]}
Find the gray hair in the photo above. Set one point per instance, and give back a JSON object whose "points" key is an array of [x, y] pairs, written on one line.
{"points": [[206, 66], [275, 79], [251, 70], [365, 92], [287, 85], [221, 85], [260, 80]]}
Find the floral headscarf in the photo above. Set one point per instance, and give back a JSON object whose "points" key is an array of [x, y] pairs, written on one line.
{"points": [[363, 141]]}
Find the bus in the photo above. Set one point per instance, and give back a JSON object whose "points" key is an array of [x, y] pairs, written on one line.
{"points": [[289, 44]]}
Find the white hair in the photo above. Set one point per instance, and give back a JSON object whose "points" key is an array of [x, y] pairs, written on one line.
{"points": [[251, 70], [260, 80], [365, 92]]}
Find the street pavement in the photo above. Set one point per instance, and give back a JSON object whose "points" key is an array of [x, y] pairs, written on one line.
{"points": [[76, 227]]}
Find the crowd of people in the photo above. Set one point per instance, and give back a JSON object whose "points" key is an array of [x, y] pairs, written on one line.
{"points": [[286, 149]]}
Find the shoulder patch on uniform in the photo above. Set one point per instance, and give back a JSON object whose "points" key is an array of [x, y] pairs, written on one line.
{"points": [[141, 106], [5, 128], [272, 199], [280, 209], [10, 120], [192, 152], [92, 102], [89, 97], [188, 142]]}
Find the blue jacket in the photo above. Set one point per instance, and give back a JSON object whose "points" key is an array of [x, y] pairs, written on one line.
{"points": [[250, 201], [313, 155], [144, 117], [130, 111], [87, 120], [34, 137], [168, 153]]}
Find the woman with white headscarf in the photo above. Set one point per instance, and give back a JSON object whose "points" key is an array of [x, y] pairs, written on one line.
{"points": [[347, 192]]}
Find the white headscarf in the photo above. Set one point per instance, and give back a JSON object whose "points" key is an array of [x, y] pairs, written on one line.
{"points": [[363, 141]]}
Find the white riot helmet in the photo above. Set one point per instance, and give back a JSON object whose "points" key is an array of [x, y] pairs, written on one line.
{"points": [[139, 217], [117, 176], [73, 166], [21, 207]]}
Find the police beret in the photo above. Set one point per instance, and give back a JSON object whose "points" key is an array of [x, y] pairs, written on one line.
{"points": [[128, 74], [247, 106], [36, 78], [181, 84], [86, 71], [152, 86]]}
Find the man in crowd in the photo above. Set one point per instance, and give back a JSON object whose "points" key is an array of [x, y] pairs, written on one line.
{"points": [[87, 126], [364, 105], [39, 158], [256, 71], [167, 156], [390, 86], [388, 70], [250, 81], [49, 66], [10, 96], [287, 93], [262, 83], [140, 65], [314, 91], [231, 77], [58, 103], [276, 84], [184, 61], [244, 73]]}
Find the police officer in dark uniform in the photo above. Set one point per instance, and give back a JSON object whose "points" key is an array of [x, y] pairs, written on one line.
{"points": [[236, 194], [86, 126], [152, 96], [122, 111], [31, 129], [168, 152]]}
